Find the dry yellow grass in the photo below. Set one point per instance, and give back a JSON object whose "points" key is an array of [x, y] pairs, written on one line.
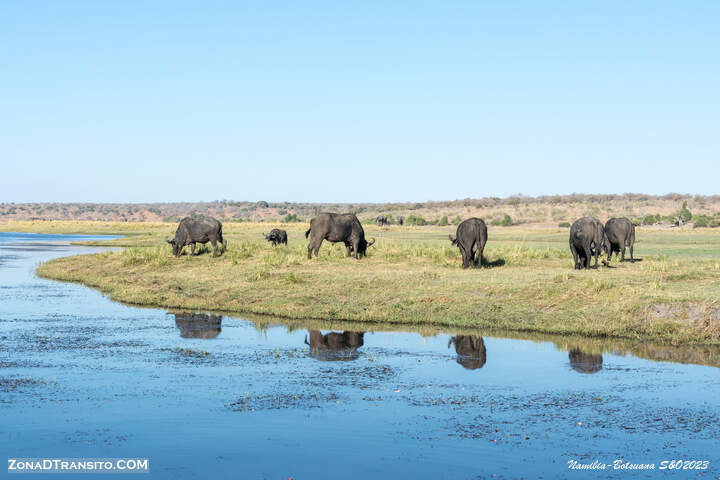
{"points": [[412, 277]]}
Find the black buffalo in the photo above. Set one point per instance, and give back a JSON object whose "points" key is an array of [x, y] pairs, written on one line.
{"points": [[382, 220], [335, 345], [334, 228], [470, 350], [471, 237], [587, 238], [197, 230], [276, 236], [620, 233], [400, 220], [585, 362], [198, 325]]}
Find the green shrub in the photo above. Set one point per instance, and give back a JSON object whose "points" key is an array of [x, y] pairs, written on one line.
{"points": [[291, 217], [505, 222], [443, 221], [685, 214], [651, 219], [415, 220], [700, 221], [457, 220], [564, 224]]}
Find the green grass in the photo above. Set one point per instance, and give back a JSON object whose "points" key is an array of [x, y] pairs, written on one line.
{"points": [[412, 276]]}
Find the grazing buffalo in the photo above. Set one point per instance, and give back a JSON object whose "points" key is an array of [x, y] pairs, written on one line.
{"points": [[400, 220], [335, 345], [276, 236], [585, 362], [382, 220], [471, 237], [587, 238], [197, 230], [198, 325], [470, 350], [620, 233], [335, 227]]}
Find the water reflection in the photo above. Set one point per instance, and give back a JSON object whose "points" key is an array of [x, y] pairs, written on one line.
{"points": [[198, 325], [334, 346], [470, 350], [585, 362]]}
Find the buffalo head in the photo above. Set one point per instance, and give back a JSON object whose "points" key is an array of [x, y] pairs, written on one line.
{"points": [[362, 246], [175, 246]]}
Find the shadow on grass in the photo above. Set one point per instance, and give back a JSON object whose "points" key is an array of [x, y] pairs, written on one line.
{"points": [[494, 264]]}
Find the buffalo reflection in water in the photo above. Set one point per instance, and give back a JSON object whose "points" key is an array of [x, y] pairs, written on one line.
{"points": [[585, 362], [198, 325], [470, 350], [335, 345]]}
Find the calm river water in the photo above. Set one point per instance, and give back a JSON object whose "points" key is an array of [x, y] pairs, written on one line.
{"points": [[209, 396]]}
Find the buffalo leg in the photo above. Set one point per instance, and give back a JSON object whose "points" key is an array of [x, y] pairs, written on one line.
{"points": [[465, 257], [313, 247], [597, 255], [588, 256], [632, 259], [192, 249], [214, 244], [622, 257], [575, 257], [356, 247], [479, 259]]}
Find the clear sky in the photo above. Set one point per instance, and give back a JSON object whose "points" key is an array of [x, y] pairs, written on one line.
{"points": [[135, 101]]}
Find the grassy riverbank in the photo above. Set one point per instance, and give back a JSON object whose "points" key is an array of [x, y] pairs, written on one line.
{"points": [[412, 277]]}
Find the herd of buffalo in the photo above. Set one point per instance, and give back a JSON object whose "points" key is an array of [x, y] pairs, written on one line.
{"points": [[588, 237]]}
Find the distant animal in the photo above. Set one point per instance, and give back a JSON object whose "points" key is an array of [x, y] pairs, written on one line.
{"points": [[276, 236], [585, 362], [197, 230], [335, 227], [198, 325], [400, 220], [470, 237], [382, 220], [587, 238], [335, 345], [620, 234], [470, 350]]}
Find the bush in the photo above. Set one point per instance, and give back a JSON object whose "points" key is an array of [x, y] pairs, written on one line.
{"points": [[701, 221], [443, 221], [291, 217], [685, 214], [415, 220], [651, 219], [564, 224], [457, 220], [505, 222]]}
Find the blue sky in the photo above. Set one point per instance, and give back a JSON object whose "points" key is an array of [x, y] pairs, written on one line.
{"points": [[138, 101]]}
